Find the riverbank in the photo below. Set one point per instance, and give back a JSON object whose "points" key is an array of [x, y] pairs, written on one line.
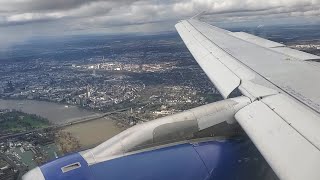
{"points": [[16, 122]]}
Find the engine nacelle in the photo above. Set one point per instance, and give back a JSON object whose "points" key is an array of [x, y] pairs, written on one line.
{"points": [[169, 129]]}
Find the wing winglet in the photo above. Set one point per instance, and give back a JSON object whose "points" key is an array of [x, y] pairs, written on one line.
{"points": [[197, 16]]}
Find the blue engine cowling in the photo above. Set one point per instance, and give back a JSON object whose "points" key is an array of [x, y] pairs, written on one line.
{"points": [[228, 159]]}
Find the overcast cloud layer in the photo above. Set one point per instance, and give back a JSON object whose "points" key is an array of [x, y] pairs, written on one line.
{"points": [[24, 18]]}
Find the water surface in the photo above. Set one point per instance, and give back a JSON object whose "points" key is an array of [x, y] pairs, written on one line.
{"points": [[54, 112]]}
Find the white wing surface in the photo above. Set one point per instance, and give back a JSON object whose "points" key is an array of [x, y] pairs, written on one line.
{"points": [[283, 84]]}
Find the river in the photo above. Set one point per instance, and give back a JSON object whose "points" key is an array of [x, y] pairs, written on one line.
{"points": [[90, 134], [55, 113]]}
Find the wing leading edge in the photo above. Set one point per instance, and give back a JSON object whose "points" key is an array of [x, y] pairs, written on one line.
{"points": [[283, 118]]}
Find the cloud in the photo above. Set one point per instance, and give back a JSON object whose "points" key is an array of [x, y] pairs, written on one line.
{"points": [[30, 11], [47, 5], [238, 6], [89, 16], [115, 12]]}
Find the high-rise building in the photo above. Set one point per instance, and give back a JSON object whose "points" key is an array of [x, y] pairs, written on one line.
{"points": [[9, 87], [88, 91]]}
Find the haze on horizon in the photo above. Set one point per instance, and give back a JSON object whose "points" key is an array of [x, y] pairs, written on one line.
{"points": [[23, 19]]}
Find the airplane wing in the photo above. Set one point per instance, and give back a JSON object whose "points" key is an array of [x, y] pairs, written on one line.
{"points": [[283, 119]]}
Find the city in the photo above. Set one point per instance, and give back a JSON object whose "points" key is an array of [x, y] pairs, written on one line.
{"points": [[145, 77], [150, 78]]}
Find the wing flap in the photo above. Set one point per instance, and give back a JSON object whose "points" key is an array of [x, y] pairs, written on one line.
{"points": [[287, 151], [302, 120]]}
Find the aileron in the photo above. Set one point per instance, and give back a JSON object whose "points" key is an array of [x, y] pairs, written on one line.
{"points": [[256, 40]]}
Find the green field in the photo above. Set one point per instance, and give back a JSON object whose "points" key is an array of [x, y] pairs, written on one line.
{"points": [[16, 121], [48, 153]]}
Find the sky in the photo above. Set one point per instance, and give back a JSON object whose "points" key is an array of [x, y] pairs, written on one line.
{"points": [[23, 19]]}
